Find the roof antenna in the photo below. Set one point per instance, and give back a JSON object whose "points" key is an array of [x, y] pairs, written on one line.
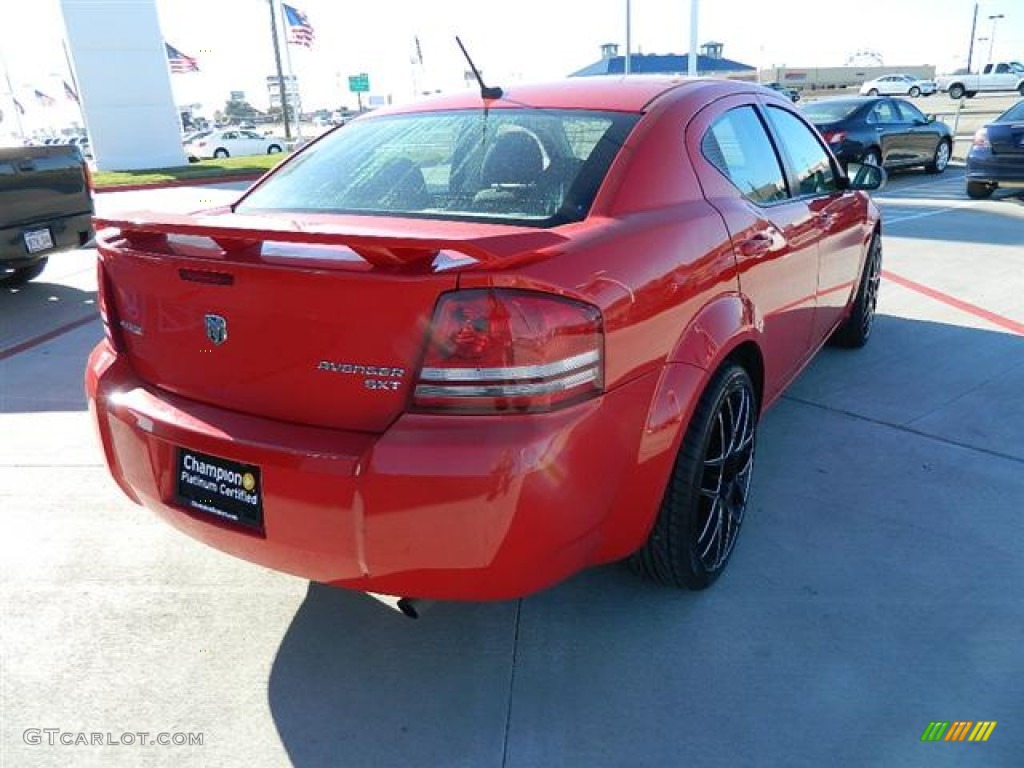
{"points": [[486, 92]]}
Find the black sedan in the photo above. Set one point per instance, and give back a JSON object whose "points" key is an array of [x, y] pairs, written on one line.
{"points": [[997, 157], [882, 131]]}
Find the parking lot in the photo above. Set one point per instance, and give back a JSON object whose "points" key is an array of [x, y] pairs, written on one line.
{"points": [[874, 589]]}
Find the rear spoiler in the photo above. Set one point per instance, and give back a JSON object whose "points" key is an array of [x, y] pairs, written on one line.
{"points": [[383, 242]]}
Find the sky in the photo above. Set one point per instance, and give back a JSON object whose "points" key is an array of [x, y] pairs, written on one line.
{"points": [[524, 40]]}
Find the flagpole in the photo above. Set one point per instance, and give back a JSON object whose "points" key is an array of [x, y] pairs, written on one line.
{"points": [[280, 73], [74, 82], [291, 73], [14, 99]]}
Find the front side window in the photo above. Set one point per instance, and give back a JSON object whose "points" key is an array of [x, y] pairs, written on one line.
{"points": [[911, 113], [535, 167], [884, 112], [737, 144], [810, 161]]}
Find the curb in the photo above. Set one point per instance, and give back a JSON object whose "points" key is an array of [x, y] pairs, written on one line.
{"points": [[198, 182]]}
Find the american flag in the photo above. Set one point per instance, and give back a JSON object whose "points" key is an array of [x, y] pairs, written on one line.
{"points": [[69, 93], [43, 99], [180, 63], [300, 31]]}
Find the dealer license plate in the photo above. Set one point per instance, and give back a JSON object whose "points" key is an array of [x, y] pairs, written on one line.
{"points": [[37, 240], [226, 489]]}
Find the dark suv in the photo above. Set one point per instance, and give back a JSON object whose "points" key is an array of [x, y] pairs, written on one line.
{"points": [[791, 93]]}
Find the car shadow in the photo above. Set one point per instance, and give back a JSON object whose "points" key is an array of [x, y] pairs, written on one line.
{"points": [[867, 477], [46, 333]]}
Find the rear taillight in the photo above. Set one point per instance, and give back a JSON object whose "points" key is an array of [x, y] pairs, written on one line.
{"points": [[835, 137], [501, 350], [981, 138], [200, 143]]}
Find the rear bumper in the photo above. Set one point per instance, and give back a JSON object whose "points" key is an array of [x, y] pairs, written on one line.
{"points": [[986, 167], [447, 507], [67, 232]]}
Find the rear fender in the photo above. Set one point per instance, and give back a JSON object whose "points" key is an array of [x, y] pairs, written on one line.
{"points": [[710, 338]]}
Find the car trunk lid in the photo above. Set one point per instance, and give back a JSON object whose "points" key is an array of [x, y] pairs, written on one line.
{"points": [[318, 320], [1006, 138]]}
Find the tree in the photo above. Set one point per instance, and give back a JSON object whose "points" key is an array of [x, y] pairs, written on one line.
{"points": [[239, 110]]}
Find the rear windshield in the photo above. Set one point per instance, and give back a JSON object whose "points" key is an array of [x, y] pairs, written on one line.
{"points": [[830, 111], [1013, 114], [534, 167]]}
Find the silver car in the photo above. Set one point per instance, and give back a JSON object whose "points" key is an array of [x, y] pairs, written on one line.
{"points": [[898, 85]]}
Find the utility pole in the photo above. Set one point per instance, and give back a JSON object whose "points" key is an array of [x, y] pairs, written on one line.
{"points": [[974, 29], [280, 73]]}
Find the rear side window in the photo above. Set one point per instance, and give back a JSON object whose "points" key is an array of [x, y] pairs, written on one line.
{"points": [[809, 160], [1016, 112], [738, 146], [535, 167]]}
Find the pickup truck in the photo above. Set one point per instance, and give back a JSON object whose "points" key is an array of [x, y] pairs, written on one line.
{"points": [[45, 205], [1002, 76]]}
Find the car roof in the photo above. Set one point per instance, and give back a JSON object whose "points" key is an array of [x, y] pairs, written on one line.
{"points": [[631, 93]]}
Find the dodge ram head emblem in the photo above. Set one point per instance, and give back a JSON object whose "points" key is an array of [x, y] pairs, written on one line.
{"points": [[216, 329]]}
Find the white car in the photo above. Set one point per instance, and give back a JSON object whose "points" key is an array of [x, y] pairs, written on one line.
{"points": [[232, 142], [898, 85]]}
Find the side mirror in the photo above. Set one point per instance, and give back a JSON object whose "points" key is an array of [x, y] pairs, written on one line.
{"points": [[929, 118], [865, 177]]}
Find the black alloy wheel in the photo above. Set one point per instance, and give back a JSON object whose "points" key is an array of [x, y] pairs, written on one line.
{"points": [[706, 499], [856, 329]]}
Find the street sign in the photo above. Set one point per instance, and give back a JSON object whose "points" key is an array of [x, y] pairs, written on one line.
{"points": [[359, 83]]}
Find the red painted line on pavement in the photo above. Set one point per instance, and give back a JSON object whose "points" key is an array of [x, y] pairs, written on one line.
{"points": [[1003, 322], [35, 341]]}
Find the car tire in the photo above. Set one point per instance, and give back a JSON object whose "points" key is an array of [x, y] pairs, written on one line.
{"points": [[971, 94], [855, 330], [957, 91], [980, 190], [21, 276], [914, 92], [273, 149], [871, 157], [709, 485], [943, 151], [1020, 89], [873, 92], [220, 153]]}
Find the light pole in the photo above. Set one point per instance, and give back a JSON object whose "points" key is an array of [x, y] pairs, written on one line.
{"points": [[992, 35], [629, 38]]}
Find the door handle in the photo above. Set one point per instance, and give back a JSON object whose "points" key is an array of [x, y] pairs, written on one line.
{"points": [[756, 245]]}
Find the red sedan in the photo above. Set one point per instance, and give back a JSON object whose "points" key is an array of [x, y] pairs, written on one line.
{"points": [[465, 348]]}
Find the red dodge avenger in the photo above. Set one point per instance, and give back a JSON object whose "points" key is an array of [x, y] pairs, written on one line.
{"points": [[465, 348]]}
